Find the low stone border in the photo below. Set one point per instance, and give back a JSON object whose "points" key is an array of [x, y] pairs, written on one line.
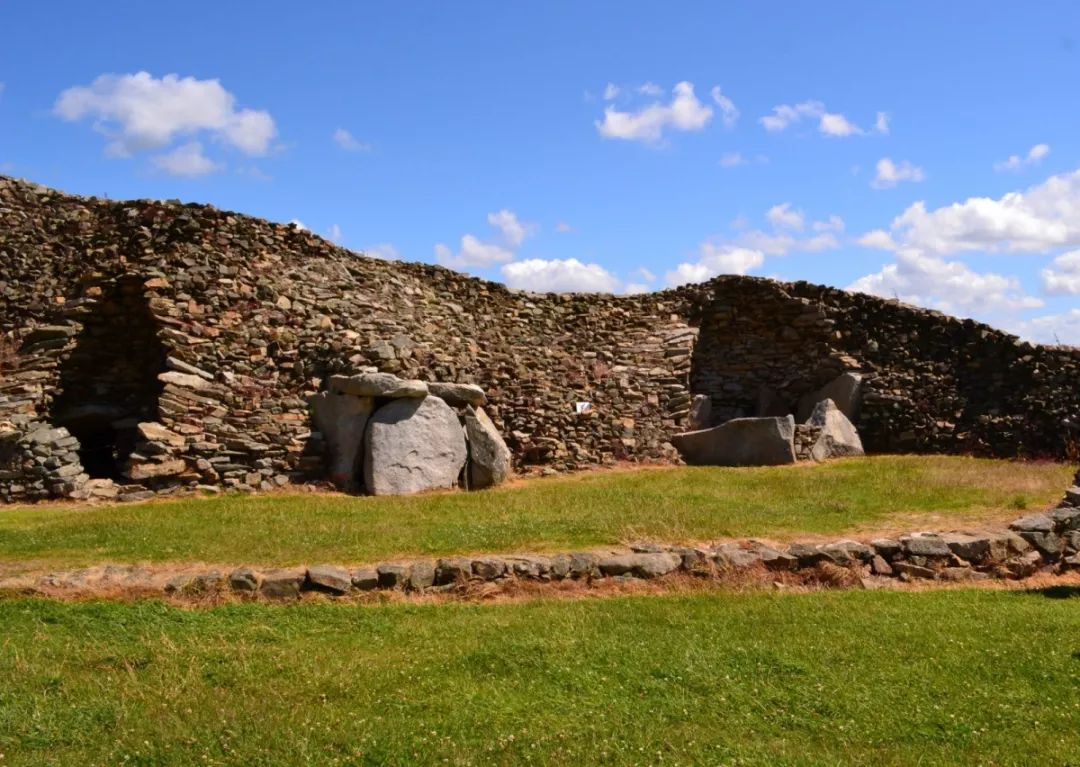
{"points": [[1043, 543]]}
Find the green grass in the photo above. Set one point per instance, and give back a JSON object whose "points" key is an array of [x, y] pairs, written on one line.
{"points": [[683, 504], [882, 678]]}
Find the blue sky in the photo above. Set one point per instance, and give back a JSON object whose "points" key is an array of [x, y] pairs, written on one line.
{"points": [[927, 151]]}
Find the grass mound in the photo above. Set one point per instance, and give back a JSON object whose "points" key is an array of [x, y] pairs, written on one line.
{"points": [[676, 504]]}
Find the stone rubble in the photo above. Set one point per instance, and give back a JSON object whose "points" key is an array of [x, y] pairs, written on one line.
{"points": [[1038, 543]]}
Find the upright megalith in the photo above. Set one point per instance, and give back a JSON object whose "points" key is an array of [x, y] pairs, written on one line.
{"points": [[342, 419], [838, 437], [413, 445], [740, 442], [845, 391], [489, 457]]}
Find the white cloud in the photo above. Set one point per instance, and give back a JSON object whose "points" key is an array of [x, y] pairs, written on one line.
{"points": [[715, 258], [298, 224], [636, 288], [732, 159], [474, 252], [1061, 328], [729, 114], [878, 239], [832, 224], [139, 112], [513, 231], [334, 234], [889, 174], [611, 92], [348, 142], [829, 123], [645, 275], [950, 286], [837, 125], [650, 89], [559, 276], [784, 217], [1039, 219], [684, 113], [186, 160], [1034, 156], [383, 251], [563, 228], [1062, 277]]}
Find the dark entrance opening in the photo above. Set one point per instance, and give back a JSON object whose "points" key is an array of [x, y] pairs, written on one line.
{"points": [[109, 383]]}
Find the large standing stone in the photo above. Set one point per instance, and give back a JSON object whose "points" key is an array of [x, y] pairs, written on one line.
{"points": [[342, 418], [845, 390], [700, 412], [489, 457], [838, 437], [413, 445], [740, 442]]}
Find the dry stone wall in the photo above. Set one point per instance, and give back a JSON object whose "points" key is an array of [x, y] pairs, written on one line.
{"points": [[232, 324]]}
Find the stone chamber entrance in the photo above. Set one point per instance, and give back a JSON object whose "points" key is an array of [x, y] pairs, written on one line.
{"points": [[109, 382]]}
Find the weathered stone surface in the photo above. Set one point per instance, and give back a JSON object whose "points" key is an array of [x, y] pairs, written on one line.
{"points": [[886, 547], [740, 442], [879, 566], [806, 554], [639, 565], [342, 419], [973, 548], [847, 552], [1047, 544], [393, 575], [245, 579], [155, 432], [845, 391], [907, 570], [1065, 518], [838, 437], [1072, 495], [584, 565], [283, 583], [929, 546], [488, 568], [153, 469], [731, 555], [489, 457], [365, 578], [457, 394], [422, 575], [413, 445], [700, 416], [774, 559], [1036, 523], [378, 385], [452, 570], [331, 578]]}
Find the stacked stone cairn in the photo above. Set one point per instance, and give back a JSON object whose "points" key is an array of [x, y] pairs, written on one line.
{"points": [[390, 436], [826, 431]]}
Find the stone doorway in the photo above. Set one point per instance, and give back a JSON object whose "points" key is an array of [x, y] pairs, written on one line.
{"points": [[109, 381]]}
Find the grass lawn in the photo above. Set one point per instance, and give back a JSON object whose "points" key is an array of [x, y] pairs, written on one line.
{"points": [[682, 504], [901, 678]]}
